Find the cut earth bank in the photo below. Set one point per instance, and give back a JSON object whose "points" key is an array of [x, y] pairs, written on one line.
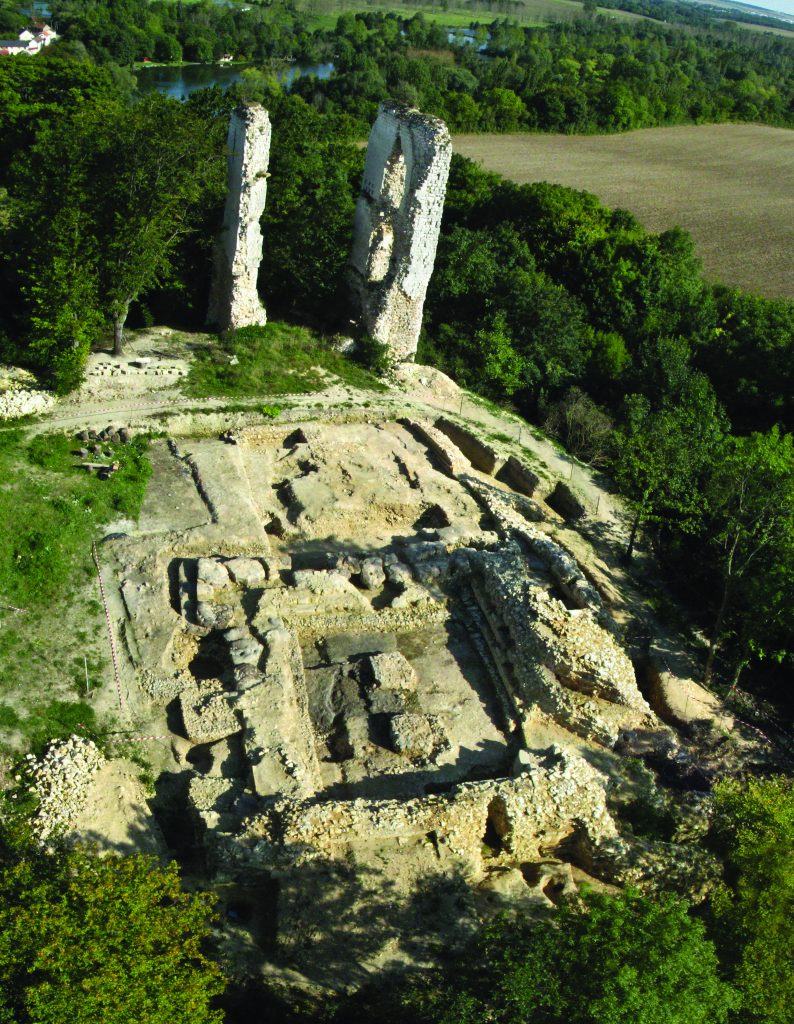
{"points": [[386, 688]]}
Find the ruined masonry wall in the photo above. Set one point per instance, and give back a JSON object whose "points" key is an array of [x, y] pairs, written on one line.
{"points": [[234, 300], [397, 221], [557, 794]]}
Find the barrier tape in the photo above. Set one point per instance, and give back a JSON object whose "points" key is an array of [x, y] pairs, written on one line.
{"points": [[144, 739], [111, 637]]}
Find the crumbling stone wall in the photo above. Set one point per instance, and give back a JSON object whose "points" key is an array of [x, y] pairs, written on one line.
{"points": [[555, 795], [234, 300], [552, 659], [397, 221]]}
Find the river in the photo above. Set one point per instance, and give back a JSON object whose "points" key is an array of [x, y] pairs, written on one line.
{"points": [[180, 82]]}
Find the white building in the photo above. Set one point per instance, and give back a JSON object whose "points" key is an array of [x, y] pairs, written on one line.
{"points": [[30, 40]]}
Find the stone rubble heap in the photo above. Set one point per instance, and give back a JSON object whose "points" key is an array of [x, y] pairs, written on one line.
{"points": [[60, 780], [515, 514], [550, 658], [20, 394], [555, 794]]}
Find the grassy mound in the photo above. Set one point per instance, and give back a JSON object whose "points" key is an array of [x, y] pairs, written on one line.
{"points": [[278, 359]]}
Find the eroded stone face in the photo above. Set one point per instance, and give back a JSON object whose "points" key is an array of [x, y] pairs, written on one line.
{"points": [[397, 221], [234, 300]]}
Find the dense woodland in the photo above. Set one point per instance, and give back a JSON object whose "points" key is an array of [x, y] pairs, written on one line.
{"points": [[543, 300], [591, 75]]}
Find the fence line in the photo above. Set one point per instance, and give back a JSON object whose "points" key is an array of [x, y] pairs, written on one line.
{"points": [[109, 623]]}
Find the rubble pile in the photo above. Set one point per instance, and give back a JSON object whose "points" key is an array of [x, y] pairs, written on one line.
{"points": [[20, 394], [60, 779]]}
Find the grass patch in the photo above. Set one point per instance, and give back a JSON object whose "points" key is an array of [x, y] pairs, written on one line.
{"points": [[50, 511], [532, 13], [51, 625], [57, 720], [9, 719], [278, 359], [503, 438]]}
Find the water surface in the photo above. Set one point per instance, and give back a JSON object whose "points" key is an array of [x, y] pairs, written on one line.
{"points": [[179, 82]]}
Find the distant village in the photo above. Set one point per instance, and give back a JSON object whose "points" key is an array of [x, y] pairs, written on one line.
{"points": [[31, 40]]}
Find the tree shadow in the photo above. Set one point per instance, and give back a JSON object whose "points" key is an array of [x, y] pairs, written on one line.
{"points": [[338, 923]]}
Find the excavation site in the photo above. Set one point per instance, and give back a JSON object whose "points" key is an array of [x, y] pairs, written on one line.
{"points": [[388, 671], [384, 701]]}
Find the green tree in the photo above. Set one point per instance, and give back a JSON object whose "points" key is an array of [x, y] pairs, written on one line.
{"points": [[750, 529], [308, 222], [114, 187], [600, 960], [101, 940], [753, 914], [155, 165], [584, 429], [661, 455], [750, 357], [504, 110]]}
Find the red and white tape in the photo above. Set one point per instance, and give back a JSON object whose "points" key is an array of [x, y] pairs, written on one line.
{"points": [[111, 637]]}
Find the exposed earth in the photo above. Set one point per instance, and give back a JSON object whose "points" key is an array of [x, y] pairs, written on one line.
{"points": [[387, 669]]}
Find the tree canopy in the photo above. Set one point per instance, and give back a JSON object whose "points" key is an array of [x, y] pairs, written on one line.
{"points": [[661, 455], [101, 940], [750, 529], [99, 203], [600, 960], [753, 915]]}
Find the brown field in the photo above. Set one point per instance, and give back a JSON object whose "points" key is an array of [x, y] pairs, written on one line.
{"points": [[731, 186], [785, 32]]}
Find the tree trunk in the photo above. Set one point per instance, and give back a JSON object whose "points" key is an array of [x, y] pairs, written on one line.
{"points": [[740, 664], [633, 536], [118, 331], [716, 632]]}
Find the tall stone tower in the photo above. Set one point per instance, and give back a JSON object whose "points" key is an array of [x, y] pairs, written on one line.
{"points": [[398, 216], [234, 301]]}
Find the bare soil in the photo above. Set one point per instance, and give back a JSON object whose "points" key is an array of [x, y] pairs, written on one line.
{"points": [[729, 185]]}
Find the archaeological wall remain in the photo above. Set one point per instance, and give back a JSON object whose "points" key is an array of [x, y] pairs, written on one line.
{"points": [[234, 300], [398, 216]]}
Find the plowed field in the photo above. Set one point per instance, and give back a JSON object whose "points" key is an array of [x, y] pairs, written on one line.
{"points": [[731, 186]]}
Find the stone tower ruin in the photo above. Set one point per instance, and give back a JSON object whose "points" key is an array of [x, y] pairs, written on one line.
{"points": [[234, 301], [398, 216]]}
